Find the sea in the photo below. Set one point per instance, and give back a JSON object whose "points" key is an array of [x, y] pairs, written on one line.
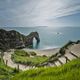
{"points": [[50, 37]]}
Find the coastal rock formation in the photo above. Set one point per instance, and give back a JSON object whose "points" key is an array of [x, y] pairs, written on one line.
{"points": [[14, 39], [29, 38]]}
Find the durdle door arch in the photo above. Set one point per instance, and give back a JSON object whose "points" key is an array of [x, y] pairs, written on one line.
{"points": [[13, 39], [30, 38]]}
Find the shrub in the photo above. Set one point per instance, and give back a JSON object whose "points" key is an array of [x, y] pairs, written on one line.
{"points": [[21, 53], [78, 42], [33, 54], [62, 50], [44, 56]]}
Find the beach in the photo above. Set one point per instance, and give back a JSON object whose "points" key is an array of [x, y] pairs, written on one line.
{"points": [[7, 57], [72, 52], [47, 52]]}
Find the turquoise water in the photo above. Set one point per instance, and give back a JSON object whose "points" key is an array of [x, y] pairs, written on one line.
{"points": [[51, 37]]}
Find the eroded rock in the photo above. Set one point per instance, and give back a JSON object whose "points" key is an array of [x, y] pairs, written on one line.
{"points": [[14, 39]]}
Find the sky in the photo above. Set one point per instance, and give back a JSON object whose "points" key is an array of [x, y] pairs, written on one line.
{"points": [[31, 13]]}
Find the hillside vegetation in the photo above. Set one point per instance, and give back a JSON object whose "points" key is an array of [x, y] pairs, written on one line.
{"points": [[6, 72], [28, 58], [69, 71]]}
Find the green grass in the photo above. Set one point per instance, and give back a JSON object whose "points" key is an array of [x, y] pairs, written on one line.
{"points": [[21, 57], [6, 72], [21, 53], [69, 71]]}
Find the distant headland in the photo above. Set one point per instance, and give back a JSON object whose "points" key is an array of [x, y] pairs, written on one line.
{"points": [[14, 39]]}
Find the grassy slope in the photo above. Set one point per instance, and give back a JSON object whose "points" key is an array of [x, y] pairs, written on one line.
{"points": [[23, 57], [6, 72], [69, 71]]}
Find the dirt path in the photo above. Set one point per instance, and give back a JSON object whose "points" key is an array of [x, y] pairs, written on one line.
{"points": [[7, 57], [9, 62], [72, 52], [74, 49]]}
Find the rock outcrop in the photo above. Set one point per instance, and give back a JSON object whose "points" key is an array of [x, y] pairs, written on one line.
{"points": [[14, 39]]}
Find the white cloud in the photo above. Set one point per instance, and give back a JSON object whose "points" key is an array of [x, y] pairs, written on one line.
{"points": [[37, 12]]}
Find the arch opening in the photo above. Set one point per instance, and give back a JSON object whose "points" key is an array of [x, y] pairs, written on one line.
{"points": [[35, 43]]}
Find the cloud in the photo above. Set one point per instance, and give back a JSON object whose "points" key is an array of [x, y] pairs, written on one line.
{"points": [[35, 12]]}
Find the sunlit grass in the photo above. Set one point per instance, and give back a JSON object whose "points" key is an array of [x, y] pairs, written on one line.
{"points": [[6, 72], [69, 71], [24, 58]]}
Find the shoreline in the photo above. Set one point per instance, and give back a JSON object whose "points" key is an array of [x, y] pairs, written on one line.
{"points": [[70, 53], [7, 57], [47, 52]]}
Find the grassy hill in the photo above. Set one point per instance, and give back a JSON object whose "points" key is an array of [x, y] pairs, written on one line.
{"points": [[27, 58], [69, 71], [6, 72]]}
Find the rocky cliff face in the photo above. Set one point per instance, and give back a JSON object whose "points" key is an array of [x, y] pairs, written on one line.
{"points": [[13, 39]]}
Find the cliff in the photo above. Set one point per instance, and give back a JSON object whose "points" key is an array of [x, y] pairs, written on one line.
{"points": [[14, 39]]}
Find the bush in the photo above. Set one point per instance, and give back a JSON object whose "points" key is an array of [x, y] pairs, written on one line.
{"points": [[21, 53], [62, 50], [78, 42], [44, 56], [33, 54]]}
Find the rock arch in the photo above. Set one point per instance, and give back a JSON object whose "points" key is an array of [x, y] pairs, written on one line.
{"points": [[13, 39], [30, 37]]}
